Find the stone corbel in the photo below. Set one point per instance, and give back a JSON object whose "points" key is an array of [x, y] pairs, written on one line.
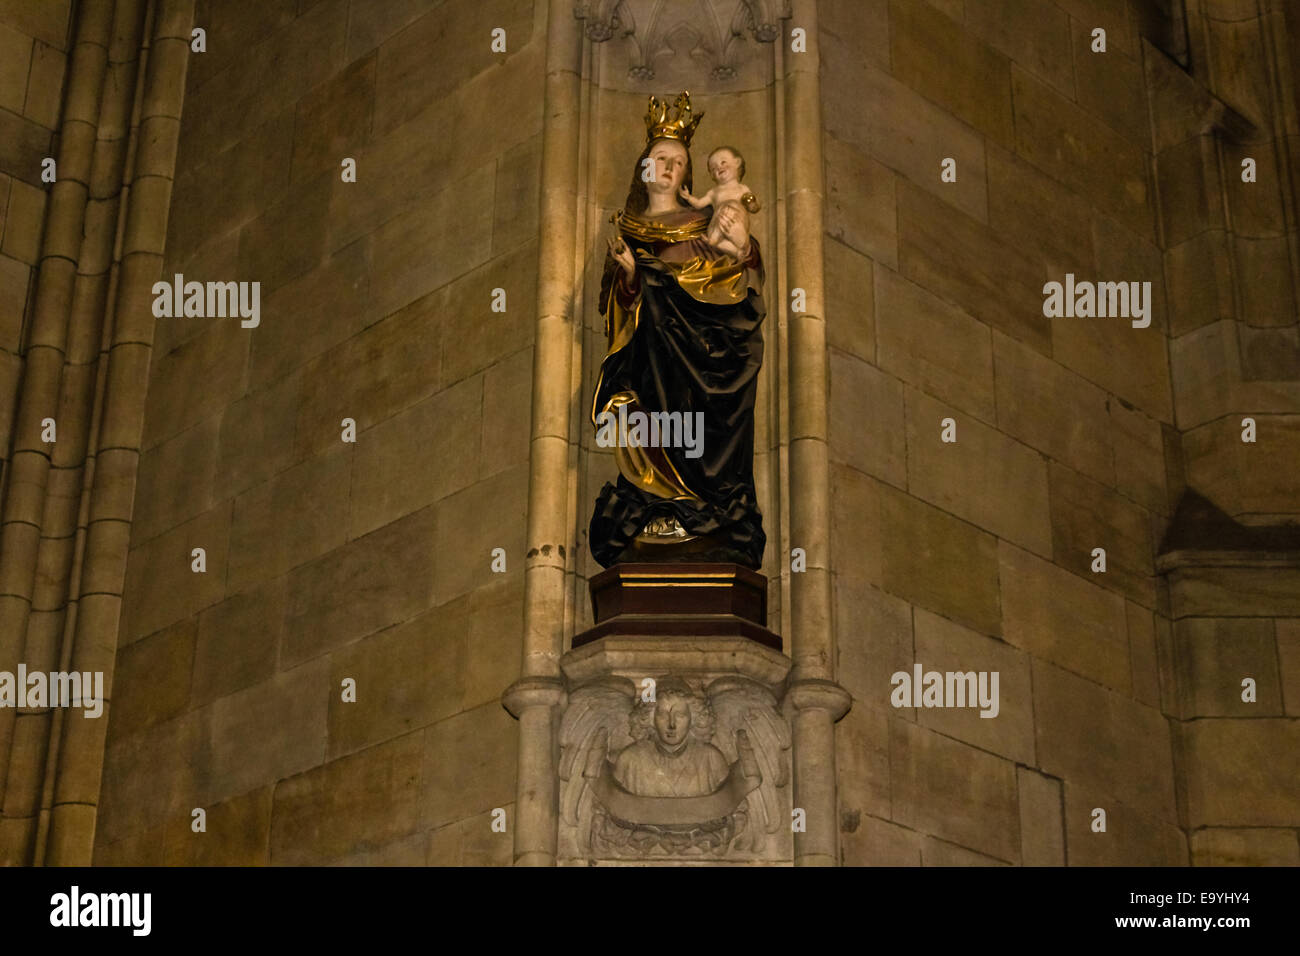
{"points": [[530, 692], [603, 19], [820, 695], [1185, 107], [760, 18]]}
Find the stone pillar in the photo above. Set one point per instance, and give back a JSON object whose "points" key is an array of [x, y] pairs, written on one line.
{"points": [[813, 701], [148, 199], [66, 534], [534, 702], [1232, 252], [539, 691], [21, 737], [68, 516]]}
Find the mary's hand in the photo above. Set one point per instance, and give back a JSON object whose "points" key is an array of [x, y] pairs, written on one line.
{"points": [[622, 255]]}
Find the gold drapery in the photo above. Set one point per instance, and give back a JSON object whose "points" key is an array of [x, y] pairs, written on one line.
{"points": [[647, 468], [717, 281]]}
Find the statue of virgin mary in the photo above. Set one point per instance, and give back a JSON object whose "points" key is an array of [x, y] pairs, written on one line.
{"points": [[682, 320]]}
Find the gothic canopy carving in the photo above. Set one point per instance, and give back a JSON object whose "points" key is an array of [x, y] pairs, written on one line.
{"points": [[678, 42]]}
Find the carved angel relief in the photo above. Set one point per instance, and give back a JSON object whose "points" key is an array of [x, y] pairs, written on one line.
{"points": [[692, 773]]}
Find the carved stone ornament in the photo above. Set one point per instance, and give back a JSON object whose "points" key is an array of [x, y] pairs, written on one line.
{"points": [[696, 772], [710, 32]]}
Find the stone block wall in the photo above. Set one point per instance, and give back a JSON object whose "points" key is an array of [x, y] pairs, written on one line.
{"points": [[329, 560], [977, 554], [1234, 649]]}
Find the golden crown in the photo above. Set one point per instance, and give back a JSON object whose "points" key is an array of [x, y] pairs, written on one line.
{"points": [[675, 122]]}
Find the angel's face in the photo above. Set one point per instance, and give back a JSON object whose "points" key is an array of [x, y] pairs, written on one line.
{"points": [[673, 720]]}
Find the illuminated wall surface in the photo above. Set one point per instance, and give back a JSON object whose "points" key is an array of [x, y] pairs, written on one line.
{"points": [[312, 527]]}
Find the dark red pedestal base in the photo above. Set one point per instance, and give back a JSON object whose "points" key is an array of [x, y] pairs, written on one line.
{"points": [[680, 600]]}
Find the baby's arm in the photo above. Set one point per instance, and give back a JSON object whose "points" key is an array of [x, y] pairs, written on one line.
{"points": [[705, 200]]}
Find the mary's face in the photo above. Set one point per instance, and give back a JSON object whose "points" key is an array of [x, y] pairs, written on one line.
{"points": [[669, 158]]}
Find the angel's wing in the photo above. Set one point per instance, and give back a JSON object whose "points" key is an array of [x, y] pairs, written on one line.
{"points": [[743, 705], [594, 723]]}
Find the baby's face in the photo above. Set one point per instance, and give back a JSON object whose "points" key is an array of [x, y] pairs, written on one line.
{"points": [[723, 166]]}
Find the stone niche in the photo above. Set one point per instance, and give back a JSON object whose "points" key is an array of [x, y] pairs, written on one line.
{"points": [[674, 747], [674, 739]]}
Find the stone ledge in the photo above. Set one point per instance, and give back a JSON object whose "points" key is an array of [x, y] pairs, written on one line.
{"points": [[648, 655], [679, 626], [1201, 534], [1256, 560]]}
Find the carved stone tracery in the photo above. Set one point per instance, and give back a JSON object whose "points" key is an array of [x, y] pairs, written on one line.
{"points": [[711, 33]]}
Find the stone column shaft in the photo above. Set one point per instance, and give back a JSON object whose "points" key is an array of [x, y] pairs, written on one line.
{"points": [[24, 508], [534, 701], [68, 511], [73, 461], [814, 702], [146, 203], [534, 698]]}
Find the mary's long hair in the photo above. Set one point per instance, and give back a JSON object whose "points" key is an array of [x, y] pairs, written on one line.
{"points": [[637, 195]]}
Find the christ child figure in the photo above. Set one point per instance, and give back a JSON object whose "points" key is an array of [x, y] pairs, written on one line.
{"points": [[729, 197]]}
